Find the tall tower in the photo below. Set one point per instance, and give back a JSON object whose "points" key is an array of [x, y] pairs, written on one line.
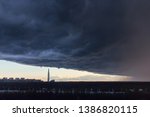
{"points": [[48, 76]]}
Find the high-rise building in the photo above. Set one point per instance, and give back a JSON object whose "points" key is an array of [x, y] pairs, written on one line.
{"points": [[48, 76]]}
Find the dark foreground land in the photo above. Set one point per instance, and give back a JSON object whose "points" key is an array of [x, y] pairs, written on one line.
{"points": [[74, 90]]}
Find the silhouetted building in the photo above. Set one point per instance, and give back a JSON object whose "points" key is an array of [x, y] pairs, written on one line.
{"points": [[48, 76], [5, 79]]}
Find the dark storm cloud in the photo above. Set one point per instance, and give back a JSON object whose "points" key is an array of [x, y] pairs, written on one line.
{"points": [[104, 36]]}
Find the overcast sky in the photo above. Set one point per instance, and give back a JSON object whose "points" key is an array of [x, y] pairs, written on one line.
{"points": [[100, 36]]}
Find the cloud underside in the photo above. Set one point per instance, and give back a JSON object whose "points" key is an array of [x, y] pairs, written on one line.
{"points": [[102, 36]]}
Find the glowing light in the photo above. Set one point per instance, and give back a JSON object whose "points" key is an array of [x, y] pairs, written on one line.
{"points": [[11, 69]]}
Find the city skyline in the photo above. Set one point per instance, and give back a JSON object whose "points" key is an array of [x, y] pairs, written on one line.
{"points": [[11, 69]]}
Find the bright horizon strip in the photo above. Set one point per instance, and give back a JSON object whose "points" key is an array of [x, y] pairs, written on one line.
{"points": [[11, 69]]}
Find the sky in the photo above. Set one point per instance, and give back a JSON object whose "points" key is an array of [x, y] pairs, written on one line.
{"points": [[10, 69], [98, 36]]}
